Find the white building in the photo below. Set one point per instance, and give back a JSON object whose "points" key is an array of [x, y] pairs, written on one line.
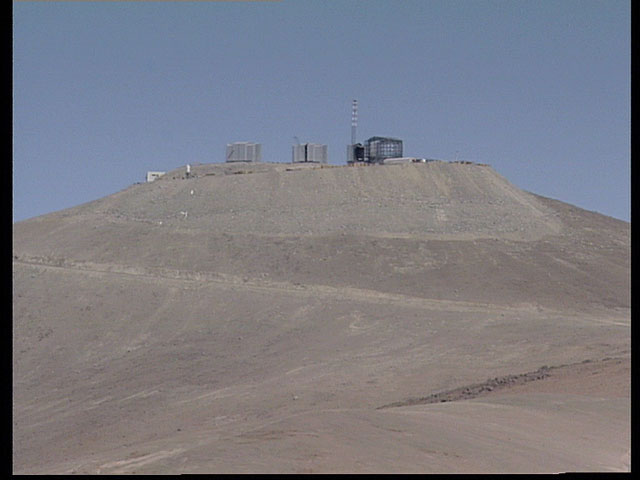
{"points": [[394, 160], [151, 176]]}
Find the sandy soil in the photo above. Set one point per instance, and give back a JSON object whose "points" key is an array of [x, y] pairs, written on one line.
{"points": [[406, 318]]}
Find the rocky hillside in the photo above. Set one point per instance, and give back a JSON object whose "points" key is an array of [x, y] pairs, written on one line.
{"points": [[435, 230], [279, 318]]}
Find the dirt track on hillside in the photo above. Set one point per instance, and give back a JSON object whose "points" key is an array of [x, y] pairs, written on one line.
{"points": [[314, 320]]}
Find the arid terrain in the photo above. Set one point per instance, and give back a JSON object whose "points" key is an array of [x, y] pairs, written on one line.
{"points": [[297, 318]]}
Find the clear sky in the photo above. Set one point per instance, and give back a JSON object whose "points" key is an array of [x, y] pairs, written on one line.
{"points": [[105, 91]]}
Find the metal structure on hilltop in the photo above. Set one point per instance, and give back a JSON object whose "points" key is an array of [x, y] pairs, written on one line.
{"points": [[375, 149], [355, 151], [243, 152], [354, 121], [309, 153]]}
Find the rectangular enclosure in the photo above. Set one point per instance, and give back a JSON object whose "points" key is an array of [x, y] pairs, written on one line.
{"points": [[379, 148], [243, 152], [309, 152]]}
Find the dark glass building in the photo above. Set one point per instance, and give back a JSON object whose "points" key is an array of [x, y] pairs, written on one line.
{"points": [[376, 149]]}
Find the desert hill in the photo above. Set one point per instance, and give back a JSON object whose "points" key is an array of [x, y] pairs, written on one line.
{"points": [[298, 318]]}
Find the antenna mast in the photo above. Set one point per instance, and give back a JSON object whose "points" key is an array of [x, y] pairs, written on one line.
{"points": [[354, 121]]}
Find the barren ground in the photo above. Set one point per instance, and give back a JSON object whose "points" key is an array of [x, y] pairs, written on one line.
{"points": [[405, 318]]}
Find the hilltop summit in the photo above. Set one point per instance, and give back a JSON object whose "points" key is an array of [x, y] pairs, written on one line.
{"points": [[314, 318], [434, 200]]}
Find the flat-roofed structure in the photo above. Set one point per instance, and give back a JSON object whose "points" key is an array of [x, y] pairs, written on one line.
{"points": [[379, 148], [151, 176], [355, 153], [243, 152], [309, 152]]}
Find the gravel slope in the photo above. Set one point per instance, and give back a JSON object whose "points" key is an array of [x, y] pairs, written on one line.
{"points": [[263, 330]]}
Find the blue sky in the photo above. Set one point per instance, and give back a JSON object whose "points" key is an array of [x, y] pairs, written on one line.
{"points": [[104, 91]]}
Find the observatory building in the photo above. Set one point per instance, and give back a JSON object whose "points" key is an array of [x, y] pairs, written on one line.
{"points": [[243, 152], [355, 153], [309, 152], [376, 149]]}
